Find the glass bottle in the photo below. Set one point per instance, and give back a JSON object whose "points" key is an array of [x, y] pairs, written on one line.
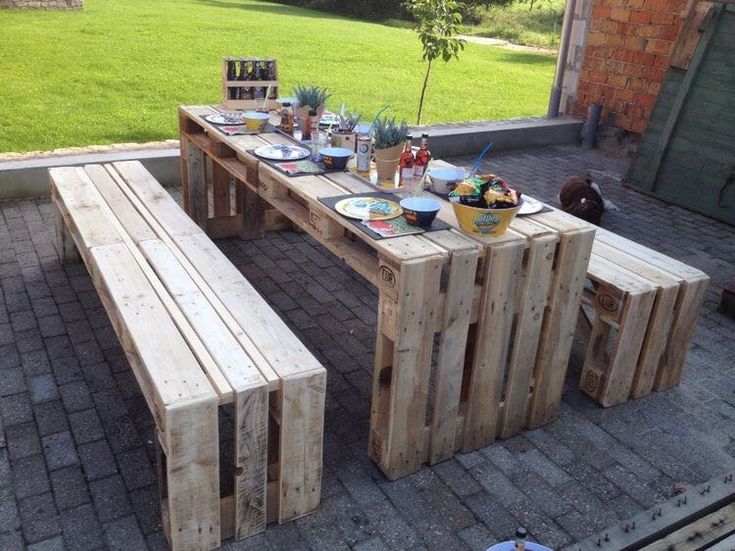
{"points": [[521, 536], [287, 119], [305, 124], [258, 91], [423, 156], [406, 163], [314, 132], [245, 93]]}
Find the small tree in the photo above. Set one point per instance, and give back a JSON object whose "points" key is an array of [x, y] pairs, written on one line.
{"points": [[437, 23]]}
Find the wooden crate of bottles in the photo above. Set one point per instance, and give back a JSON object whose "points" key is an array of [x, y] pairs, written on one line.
{"points": [[246, 81]]}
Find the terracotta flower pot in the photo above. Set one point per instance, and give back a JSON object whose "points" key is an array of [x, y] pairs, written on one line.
{"points": [[344, 139], [386, 161]]}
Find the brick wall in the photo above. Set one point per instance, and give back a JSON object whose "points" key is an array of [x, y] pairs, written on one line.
{"points": [[626, 54], [43, 4]]}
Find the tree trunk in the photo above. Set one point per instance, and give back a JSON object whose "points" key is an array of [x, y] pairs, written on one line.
{"points": [[423, 92]]}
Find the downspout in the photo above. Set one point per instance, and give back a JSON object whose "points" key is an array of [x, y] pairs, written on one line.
{"points": [[561, 61]]}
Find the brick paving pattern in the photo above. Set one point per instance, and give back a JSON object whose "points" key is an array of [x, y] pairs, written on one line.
{"points": [[76, 450]]}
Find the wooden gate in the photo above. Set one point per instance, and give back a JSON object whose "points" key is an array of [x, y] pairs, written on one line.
{"points": [[687, 154]]}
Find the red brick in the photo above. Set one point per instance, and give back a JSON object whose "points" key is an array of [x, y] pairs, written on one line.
{"points": [[657, 5], [669, 32], [645, 100], [653, 74], [627, 29], [589, 51], [612, 67], [609, 26], [618, 106], [662, 47], [677, 5], [596, 39], [595, 24], [624, 95], [635, 43], [607, 92], [631, 70], [662, 18], [584, 76], [634, 4], [598, 76], [604, 51], [643, 58], [639, 126], [649, 31], [619, 81], [633, 111], [625, 123], [661, 61], [600, 12], [621, 54], [638, 84], [640, 16], [654, 88], [619, 14]]}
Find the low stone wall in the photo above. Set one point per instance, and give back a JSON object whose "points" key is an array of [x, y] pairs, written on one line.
{"points": [[43, 4]]}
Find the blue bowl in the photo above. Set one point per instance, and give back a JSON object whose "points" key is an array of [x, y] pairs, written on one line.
{"points": [[420, 211], [335, 158]]}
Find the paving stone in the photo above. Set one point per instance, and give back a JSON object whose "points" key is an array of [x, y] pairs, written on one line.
{"points": [[82, 530], [40, 518], [52, 544], [147, 508], [86, 426], [50, 418], [12, 381], [43, 388], [13, 541], [16, 409], [135, 468], [70, 489], [29, 476], [9, 516], [22, 441], [59, 450], [97, 460], [35, 363], [372, 544], [124, 534], [75, 396], [110, 498], [66, 369]]}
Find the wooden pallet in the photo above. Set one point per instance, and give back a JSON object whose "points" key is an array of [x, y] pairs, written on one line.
{"points": [[228, 86], [474, 335], [638, 318], [123, 222], [701, 518]]}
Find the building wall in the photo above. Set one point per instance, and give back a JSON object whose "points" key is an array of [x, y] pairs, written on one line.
{"points": [[43, 4], [626, 53]]}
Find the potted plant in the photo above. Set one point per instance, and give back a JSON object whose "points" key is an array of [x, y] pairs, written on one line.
{"points": [[310, 97], [344, 135], [388, 139]]}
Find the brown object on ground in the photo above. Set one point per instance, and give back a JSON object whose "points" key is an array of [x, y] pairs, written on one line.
{"points": [[579, 199], [727, 304]]}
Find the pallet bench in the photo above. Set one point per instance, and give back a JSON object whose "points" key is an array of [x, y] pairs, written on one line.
{"points": [[638, 316], [204, 346]]}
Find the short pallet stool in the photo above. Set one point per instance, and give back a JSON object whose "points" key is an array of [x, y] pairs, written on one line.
{"points": [[638, 316]]}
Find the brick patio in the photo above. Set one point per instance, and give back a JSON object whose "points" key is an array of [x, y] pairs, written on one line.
{"points": [[76, 453]]}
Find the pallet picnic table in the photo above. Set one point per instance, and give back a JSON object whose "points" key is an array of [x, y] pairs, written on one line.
{"points": [[474, 333]]}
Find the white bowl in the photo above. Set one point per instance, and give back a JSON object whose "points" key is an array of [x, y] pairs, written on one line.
{"points": [[444, 180]]}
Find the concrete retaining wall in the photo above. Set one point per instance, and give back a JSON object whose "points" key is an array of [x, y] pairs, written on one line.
{"points": [[43, 4], [29, 177]]}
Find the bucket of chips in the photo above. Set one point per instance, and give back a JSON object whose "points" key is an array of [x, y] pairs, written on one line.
{"points": [[485, 205]]}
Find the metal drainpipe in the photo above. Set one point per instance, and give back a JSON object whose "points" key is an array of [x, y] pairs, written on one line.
{"points": [[561, 61]]}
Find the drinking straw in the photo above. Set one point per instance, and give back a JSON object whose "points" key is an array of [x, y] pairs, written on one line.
{"points": [[267, 95], [420, 187], [475, 166]]}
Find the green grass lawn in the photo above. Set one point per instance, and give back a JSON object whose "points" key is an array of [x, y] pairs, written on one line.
{"points": [[116, 71]]}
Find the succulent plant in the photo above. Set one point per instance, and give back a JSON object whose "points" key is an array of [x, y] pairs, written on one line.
{"points": [[387, 133], [347, 121], [311, 95]]}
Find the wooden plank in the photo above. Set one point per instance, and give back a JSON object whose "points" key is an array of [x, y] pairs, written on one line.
{"points": [[700, 533], [192, 474], [689, 35], [65, 247], [681, 96], [252, 208], [79, 205], [572, 258], [399, 441], [503, 265], [161, 233], [301, 437], [251, 461], [220, 191], [455, 323], [157, 200], [533, 300], [197, 185], [727, 544]]}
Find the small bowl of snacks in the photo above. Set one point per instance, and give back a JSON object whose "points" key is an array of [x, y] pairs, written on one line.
{"points": [[444, 180], [335, 158], [420, 211], [256, 121], [485, 205]]}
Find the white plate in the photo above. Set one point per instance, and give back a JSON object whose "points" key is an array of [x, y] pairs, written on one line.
{"points": [[530, 206], [217, 118], [281, 152]]}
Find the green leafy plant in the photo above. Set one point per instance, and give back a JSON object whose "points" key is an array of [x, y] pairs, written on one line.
{"points": [[387, 133], [437, 23], [311, 95]]}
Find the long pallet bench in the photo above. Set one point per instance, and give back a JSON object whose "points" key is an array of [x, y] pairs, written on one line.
{"points": [[204, 346], [638, 316]]}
